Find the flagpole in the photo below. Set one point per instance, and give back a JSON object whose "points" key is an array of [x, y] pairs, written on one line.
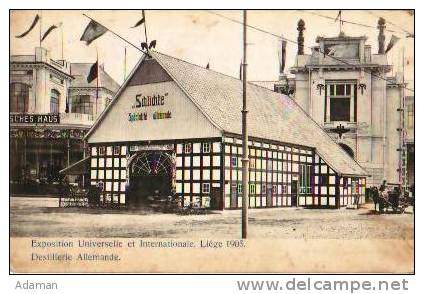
{"points": [[41, 20], [145, 29], [245, 159], [97, 78], [125, 62], [109, 30], [61, 31]]}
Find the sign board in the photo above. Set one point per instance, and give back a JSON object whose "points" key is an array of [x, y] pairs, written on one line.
{"points": [[25, 118]]}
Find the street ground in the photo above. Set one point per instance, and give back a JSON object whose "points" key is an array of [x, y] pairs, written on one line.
{"points": [[41, 217]]}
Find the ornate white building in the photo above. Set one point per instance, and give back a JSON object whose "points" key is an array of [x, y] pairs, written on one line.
{"points": [[52, 106], [347, 89]]}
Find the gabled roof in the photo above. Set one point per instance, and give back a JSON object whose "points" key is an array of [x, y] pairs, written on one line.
{"points": [[271, 116], [80, 72]]}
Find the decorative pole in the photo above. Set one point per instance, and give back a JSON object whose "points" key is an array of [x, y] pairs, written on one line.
{"points": [[245, 159], [381, 38], [300, 38]]}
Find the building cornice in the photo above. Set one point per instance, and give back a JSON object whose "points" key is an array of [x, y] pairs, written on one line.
{"points": [[38, 64]]}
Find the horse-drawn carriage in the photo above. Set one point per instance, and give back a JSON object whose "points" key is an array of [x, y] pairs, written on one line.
{"points": [[391, 198]]}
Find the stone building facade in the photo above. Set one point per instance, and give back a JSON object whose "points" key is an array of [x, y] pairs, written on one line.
{"points": [[51, 109], [347, 89]]}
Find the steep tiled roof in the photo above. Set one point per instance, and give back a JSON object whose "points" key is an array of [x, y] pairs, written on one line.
{"points": [[271, 115], [80, 72]]}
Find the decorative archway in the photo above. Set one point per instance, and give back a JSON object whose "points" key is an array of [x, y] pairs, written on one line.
{"points": [[348, 150], [151, 176]]}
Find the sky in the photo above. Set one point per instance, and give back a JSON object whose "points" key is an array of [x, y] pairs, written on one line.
{"points": [[201, 37]]}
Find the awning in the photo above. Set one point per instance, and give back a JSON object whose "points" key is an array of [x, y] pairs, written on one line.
{"points": [[78, 168]]}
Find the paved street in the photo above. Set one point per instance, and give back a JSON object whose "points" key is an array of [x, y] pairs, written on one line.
{"points": [[40, 217]]}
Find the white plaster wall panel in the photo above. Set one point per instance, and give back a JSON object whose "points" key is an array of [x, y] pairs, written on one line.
{"points": [[196, 147], [186, 121], [116, 174], [216, 174], [196, 161], [123, 174], [101, 162], [93, 174], [108, 174], [196, 175], [206, 174], [187, 175], [216, 147], [179, 175], [179, 162], [93, 162], [216, 160], [187, 161], [187, 188], [123, 162], [179, 188], [94, 151], [123, 186], [206, 161], [116, 162], [108, 162]]}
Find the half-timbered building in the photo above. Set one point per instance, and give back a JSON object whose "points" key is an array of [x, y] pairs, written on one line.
{"points": [[174, 129]]}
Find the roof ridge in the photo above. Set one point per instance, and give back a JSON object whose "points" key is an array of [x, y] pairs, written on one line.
{"points": [[217, 72]]}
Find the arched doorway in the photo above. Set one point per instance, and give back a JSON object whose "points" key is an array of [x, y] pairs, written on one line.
{"points": [[348, 150], [151, 177]]}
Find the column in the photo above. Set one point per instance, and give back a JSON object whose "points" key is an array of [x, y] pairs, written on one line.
{"points": [[352, 103]]}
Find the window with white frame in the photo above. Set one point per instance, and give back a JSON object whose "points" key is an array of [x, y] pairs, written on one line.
{"points": [[239, 188], [206, 188], [187, 148], [252, 189], [116, 150], [102, 150], [206, 147], [340, 103], [234, 161], [305, 179]]}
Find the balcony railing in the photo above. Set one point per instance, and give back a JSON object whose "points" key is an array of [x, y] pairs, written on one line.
{"points": [[77, 118]]}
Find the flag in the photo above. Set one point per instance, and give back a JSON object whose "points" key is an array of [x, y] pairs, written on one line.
{"points": [[152, 44], [339, 15], [51, 28], [393, 41], [144, 45], [140, 22], [92, 75], [93, 31], [34, 22], [282, 55]]}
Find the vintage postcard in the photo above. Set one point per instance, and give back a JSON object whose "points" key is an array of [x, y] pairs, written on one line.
{"points": [[212, 141]]}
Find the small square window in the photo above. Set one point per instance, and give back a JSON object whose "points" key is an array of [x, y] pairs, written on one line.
{"points": [[206, 188], [116, 150], [206, 147], [187, 148], [274, 189], [102, 150]]}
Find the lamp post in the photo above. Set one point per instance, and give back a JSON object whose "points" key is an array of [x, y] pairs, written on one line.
{"points": [[245, 159]]}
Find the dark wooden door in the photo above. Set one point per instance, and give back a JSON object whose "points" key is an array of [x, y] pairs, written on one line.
{"points": [[294, 192]]}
